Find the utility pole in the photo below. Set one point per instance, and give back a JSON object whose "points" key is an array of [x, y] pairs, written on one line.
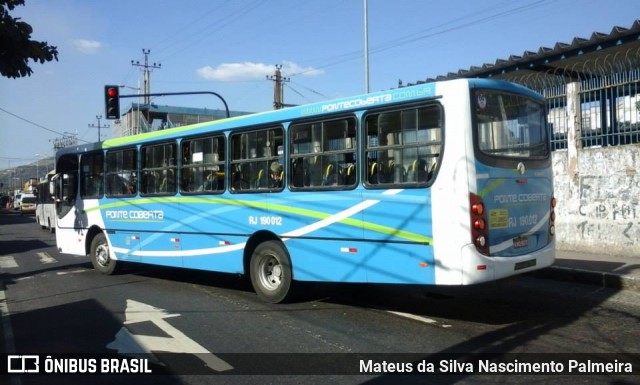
{"points": [[278, 92], [91, 125], [147, 72], [366, 46]]}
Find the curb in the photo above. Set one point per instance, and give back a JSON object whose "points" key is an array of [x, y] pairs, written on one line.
{"points": [[596, 278]]}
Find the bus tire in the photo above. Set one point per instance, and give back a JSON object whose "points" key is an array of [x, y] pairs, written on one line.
{"points": [[270, 270], [100, 257]]}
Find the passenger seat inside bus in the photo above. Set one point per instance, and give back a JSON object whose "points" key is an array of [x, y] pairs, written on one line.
{"points": [[349, 177], [330, 176], [417, 172]]}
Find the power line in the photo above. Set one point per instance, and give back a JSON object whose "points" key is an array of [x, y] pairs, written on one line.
{"points": [[188, 25], [63, 134], [425, 34], [311, 90], [421, 36], [219, 24], [30, 122]]}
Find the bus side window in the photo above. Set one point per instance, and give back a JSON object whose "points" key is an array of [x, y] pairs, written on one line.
{"points": [[322, 153], [91, 174], [252, 153], [158, 164], [203, 165], [121, 171], [402, 145]]}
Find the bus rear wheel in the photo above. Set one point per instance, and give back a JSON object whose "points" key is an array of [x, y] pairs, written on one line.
{"points": [[270, 270], [100, 257]]}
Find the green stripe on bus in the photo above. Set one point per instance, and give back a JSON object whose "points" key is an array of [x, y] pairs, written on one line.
{"points": [[492, 186], [275, 207]]}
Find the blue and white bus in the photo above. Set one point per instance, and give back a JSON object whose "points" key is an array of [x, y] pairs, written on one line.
{"points": [[445, 183], [45, 205]]}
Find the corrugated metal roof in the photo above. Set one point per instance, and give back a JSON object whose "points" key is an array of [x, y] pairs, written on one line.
{"points": [[616, 51]]}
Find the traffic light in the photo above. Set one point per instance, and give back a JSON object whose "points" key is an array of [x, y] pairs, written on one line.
{"points": [[112, 102]]}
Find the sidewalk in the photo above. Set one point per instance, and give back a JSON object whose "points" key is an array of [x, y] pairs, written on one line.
{"points": [[614, 272]]}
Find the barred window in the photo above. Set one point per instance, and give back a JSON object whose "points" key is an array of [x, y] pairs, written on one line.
{"points": [[323, 154], [158, 169], [203, 165], [92, 175], [403, 146], [121, 177], [256, 160]]}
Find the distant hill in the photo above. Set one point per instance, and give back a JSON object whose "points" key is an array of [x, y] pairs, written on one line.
{"points": [[13, 178]]}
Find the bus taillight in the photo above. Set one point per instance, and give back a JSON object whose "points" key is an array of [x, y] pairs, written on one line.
{"points": [[479, 231]]}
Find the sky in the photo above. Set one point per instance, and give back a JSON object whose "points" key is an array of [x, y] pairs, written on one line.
{"points": [[230, 46]]}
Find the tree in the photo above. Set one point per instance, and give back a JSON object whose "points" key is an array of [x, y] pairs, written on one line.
{"points": [[16, 46]]}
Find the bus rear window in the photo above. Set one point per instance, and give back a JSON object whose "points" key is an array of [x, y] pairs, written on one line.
{"points": [[509, 126]]}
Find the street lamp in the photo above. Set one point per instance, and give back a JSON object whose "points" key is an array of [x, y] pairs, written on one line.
{"points": [[136, 121], [38, 156]]}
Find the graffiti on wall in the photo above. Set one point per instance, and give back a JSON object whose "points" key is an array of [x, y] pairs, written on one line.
{"points": [[610, 209]]}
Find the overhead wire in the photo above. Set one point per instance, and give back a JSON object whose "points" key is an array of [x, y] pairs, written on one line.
{"points": [[196, 37], [426, 33], [36, 124]]}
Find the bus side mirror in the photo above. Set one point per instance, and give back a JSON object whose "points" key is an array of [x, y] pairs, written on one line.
{"points": [[54, 188], [52, 185]]}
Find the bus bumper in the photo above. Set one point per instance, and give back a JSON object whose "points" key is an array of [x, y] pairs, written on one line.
{"points": [[477, 268]]}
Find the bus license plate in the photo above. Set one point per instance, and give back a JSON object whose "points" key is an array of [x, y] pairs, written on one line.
{"points": [[520, 242]]}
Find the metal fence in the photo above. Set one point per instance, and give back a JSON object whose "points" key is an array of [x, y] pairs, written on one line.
{"points": [[609, 99]]}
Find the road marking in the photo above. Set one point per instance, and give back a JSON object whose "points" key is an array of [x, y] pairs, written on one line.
{"points": [[72, 271], [46, 258], [418, 318], [129, 343], [8, 262]]}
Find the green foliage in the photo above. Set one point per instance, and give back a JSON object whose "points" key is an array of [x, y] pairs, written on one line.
{"points": [[16, 46]]}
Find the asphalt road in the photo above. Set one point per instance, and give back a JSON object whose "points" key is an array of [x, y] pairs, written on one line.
{"points": [[57, 305]]}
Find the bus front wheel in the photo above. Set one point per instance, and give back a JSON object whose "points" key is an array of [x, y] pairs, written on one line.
{"points": [[270, 270], [100, 257]]}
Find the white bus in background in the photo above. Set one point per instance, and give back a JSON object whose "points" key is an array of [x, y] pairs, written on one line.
{"points": [[17, 199], [45, 208]]}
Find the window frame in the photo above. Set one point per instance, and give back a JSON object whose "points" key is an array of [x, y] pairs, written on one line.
{"points": [[158, 170], [496, 160], [93, 179], [190, 163], [249, 165], [118, 174], [303, 174], [427, 163]]}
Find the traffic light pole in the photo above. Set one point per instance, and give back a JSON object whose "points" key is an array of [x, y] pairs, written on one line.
{"points": [[226, 107]]}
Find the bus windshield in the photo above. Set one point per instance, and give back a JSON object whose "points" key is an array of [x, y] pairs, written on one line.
{"points": [[510, 126]]}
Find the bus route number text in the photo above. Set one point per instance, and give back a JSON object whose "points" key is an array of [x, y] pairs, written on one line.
{"points": [[265, 220]]}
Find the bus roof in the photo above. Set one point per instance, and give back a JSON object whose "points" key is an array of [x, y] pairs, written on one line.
{"points": [[348, 104]]}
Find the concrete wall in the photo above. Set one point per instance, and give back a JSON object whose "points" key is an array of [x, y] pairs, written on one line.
{"points": [[598, 193]]}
